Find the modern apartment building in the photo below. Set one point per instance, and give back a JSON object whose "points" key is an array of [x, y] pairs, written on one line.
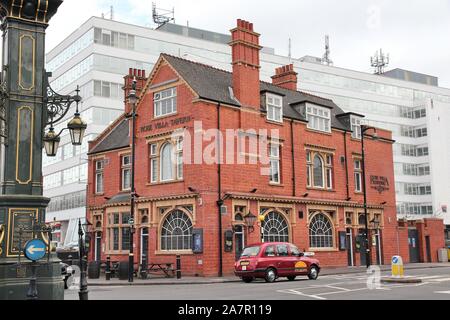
{"points": [[99, 54]]}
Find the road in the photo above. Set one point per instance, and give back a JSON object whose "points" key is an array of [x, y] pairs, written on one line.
{"points": [[435, 286]]}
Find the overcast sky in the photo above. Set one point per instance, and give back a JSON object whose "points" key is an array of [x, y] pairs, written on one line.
{"points": [[416, 33]]}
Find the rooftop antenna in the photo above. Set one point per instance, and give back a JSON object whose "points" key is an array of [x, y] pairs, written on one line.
{"points": [[326, 57], [111, 13], [379, 61], [162, 16]]}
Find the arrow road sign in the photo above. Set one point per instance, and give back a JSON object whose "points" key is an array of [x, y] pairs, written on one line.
{"points": [[35, 249]]}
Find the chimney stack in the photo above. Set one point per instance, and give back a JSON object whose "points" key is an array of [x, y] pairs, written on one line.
{"points": [[245, 60], [140, 83], [285, 77]]}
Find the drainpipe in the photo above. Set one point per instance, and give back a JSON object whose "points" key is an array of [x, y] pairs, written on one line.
{"points": [[219, 188], [293, 159], [346, 165]]}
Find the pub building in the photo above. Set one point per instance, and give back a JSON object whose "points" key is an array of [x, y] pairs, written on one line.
{"points": [[309, 192]]}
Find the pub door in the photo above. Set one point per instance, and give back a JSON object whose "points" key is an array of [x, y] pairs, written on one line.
{"points": [[98, 246], [362, 247], [349, 244], [239, 243]]}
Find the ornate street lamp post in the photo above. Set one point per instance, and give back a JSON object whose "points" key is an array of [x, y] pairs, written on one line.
{"points": [[27, 106], [365, 128], [132, 99]]}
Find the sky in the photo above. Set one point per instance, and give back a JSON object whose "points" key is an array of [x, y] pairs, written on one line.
{"points": [[415, 33]]}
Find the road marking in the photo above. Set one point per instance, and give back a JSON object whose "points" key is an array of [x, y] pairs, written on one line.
{"points": [[442, 292], [292, 291], [440, 280]]}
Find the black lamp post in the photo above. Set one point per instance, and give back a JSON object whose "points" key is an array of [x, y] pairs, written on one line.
{"points": [[132, 99], [83, 293], [365, 128]]}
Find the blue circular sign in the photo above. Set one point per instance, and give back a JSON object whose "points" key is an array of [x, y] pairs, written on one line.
{"points": [[394, 259], [35, 249]]}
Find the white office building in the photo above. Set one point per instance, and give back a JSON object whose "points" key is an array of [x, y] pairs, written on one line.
{"points": [[99, 53]]}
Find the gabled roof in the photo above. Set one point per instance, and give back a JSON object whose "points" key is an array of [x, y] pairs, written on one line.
{"points": [[118, 137], [214, 84]]}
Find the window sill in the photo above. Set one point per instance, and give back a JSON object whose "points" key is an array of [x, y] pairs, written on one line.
{"points": [[99, 194], [279, 123], [165, 116], [273, 184], [171, 253], [149, 184], [320, 189], [328, 133]]}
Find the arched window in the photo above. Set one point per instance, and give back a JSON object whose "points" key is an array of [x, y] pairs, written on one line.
{"points": [[318, 171], [167, 162], [176, 232], [320, 232], [275, 228]]}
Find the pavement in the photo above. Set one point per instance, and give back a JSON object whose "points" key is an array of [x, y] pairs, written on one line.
{"points": [[355, 284], [160, 280]]}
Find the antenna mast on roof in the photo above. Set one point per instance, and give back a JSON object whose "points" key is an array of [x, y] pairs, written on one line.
{"points": [[379, 61], [290, 49], [162, 16], [111, 13], [326, 57]]}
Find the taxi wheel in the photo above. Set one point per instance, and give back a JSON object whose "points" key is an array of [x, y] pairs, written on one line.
{"points": [[291, 278], [313, 273], [271, 275], [247, 279]]}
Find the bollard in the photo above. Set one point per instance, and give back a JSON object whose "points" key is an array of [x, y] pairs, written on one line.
{"points": [[178, 267], [70, 260], [108, 268], [397, 267], [144, 267]]}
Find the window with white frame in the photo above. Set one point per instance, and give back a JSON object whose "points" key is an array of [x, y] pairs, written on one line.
{"points": [[274, 105], [356, 127], [179, 157], [274, 157], [319, 118], [319, 170], [176, 232], [165, 102], [118, 231], [166, 161], [99, 167], [153, 162], [320, 232], [126, 172], [357, 166]]}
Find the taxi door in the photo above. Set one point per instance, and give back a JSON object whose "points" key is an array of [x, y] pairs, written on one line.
{"points": [[299, 267]]}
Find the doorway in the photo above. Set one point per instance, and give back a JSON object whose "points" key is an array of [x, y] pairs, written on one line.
{"points": [[428, 245], [413, 241], [239, 240], [349, 244], [362, 247], [144, 244], [98, 246]]}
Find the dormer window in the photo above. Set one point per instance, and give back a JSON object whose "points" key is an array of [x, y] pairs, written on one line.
{"points": [[356, 127], [319, 118], [274, 106]]}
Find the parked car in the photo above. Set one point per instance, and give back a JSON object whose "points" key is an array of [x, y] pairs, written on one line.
{"points": [[273, 260], [66, 272]]}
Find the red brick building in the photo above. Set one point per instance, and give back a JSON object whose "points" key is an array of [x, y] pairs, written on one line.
{"points": [[308, 191]]}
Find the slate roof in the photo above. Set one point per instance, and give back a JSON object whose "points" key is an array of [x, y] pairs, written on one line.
{"points": [[214, 84], [116, 139]]}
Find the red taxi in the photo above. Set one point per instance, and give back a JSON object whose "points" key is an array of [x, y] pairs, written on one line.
{"points": [[272, 260]]}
